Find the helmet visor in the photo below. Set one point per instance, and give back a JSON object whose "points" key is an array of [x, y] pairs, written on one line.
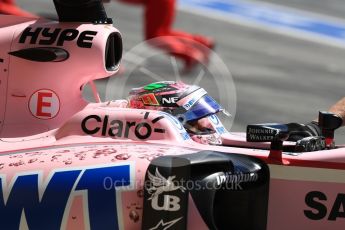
{"points": [[205, 106]]}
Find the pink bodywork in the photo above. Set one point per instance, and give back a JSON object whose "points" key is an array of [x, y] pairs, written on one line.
{"points": [[31, 144], [21, 78]]}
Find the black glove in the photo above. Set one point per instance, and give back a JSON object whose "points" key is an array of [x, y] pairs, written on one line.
{"points": [[300, 131]]}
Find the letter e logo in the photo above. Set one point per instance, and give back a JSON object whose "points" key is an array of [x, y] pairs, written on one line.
{"points": [[44, 104]]}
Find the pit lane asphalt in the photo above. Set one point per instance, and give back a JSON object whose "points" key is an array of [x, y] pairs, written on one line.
{"points": [[278, 78]]}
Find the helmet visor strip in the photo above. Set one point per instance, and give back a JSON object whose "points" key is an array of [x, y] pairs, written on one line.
{"points": [[204, 107]]}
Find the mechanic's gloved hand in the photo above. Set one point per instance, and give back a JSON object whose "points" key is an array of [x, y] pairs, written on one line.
{"points": [[300, 131]]}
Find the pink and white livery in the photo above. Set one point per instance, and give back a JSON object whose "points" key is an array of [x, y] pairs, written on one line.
{"points": [[66, 163]]}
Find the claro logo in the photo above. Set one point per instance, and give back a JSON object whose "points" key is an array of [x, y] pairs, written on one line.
{"points": [[50, 36], [119, 128]]}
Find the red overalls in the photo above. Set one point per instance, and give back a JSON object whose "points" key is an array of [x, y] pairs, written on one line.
{"points": [[159, 20], [9, 7]]}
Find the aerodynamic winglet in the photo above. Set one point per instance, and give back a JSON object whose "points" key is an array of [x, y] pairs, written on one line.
{"points": [[42, 54]]}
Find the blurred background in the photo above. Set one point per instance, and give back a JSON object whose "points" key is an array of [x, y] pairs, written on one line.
{"points": [[286, 57]]}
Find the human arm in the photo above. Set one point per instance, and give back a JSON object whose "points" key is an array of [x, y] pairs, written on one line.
{"points": [[300, 131], [339, 109]]}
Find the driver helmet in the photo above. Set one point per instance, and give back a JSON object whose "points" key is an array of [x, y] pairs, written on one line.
{"points": [[190, 104]]}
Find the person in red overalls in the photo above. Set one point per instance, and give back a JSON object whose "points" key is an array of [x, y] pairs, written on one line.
{"points": [[9, 7], [159, 18]]}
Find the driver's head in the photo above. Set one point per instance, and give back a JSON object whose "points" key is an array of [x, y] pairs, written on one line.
{"points": [[190, 104]]}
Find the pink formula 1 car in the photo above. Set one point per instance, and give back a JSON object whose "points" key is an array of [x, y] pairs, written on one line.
{"points": [[69, 164]]}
